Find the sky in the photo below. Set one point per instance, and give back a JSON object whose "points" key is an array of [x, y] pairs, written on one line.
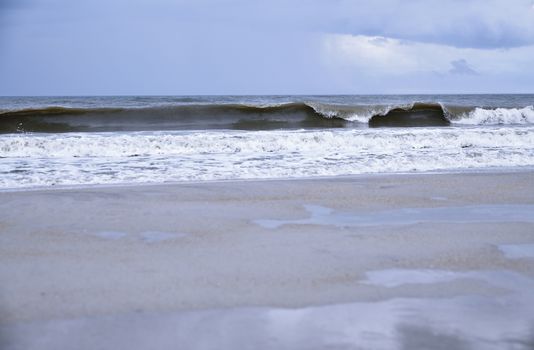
{"points": [[245, 47]]}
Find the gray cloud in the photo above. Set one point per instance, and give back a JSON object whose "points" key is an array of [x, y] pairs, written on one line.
{"points": [[461, 67], [459, 23], [250, 46]]}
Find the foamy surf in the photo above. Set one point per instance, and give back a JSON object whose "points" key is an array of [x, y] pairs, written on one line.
{"points": [[497, 116], [71, 159]]}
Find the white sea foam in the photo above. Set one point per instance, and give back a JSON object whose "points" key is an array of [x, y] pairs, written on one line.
{"points": [[68, 159], [497, 116], [358, 114]]}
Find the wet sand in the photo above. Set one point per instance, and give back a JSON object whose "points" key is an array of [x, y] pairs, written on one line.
{"points": [[385, 261]]}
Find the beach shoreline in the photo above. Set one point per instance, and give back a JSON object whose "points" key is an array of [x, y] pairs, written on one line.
{"points": [[359, 176], [105, 252]]}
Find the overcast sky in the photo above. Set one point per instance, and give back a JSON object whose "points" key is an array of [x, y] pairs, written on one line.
{"points": [[164, 47]]}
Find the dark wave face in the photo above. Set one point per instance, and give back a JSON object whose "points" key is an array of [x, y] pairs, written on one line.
{"points": [[419, 114], [198, 114], [193, 117], [189, 117]]}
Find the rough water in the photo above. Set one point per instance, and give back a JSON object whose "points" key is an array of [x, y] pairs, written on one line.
{"points": [[48, 141]]}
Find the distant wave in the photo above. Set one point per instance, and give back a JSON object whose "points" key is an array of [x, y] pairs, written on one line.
{"points": [[179, 117], [253, 117]]}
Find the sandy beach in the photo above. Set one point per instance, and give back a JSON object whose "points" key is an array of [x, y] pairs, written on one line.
{"points": [[384, 261]]}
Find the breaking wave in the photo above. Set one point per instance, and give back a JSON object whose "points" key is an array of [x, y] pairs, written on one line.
{"points": [[497, 116], [297, 115]]}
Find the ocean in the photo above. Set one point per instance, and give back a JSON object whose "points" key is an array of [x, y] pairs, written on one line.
{"points": [[57, 141]]}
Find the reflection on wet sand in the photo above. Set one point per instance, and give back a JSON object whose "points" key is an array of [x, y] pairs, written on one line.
{"points": [[423, 337], [462, 322]]}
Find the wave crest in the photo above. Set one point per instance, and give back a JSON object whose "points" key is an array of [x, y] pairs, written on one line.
{"points": [[498, 116]]}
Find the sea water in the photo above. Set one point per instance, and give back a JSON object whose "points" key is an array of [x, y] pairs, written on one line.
{"points": [[46, 141]]}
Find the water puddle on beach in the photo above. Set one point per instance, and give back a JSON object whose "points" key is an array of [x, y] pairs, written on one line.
{"points": [[111, 235], [149, 237], [157, 236], [517, 251], [391, 278], [469, 321], [439, 198], [324, 216]]}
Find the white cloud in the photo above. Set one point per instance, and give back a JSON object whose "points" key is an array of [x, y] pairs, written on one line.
{"points": [[381, 63], [394, 56]]}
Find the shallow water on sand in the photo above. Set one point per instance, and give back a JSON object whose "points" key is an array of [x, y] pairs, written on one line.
{"points": [[320, 215]]}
